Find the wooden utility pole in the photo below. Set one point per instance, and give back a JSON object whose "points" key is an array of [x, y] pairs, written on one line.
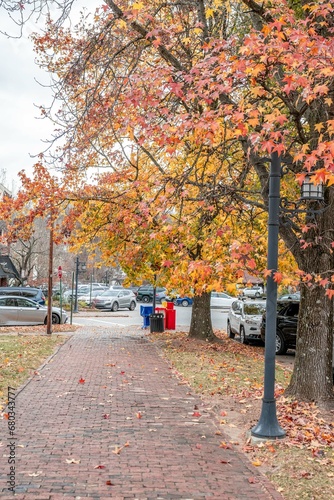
{"points": [[49, 318]]}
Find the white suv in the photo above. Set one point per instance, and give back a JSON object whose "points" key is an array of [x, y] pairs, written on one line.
{"points": [[255, 291]]}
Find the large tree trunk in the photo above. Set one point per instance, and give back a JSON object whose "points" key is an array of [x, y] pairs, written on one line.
{"points": [[312, 375], [201, 325]]}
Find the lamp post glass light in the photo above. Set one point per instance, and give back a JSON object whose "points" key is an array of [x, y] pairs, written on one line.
{"points": [[268, 426]]}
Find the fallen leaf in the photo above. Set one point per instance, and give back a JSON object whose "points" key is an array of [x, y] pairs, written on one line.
{"points": [[253, 480], [81, 380], [72, 461], [226, 446], [99, 467], [117, 450], [109, 483]]}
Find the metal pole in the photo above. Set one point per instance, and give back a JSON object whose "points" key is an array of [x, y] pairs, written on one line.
{"points": [[268, 426], [60, 297], [72, 299], [90, 290], [76, 284], [154, 293], [49, 316]]}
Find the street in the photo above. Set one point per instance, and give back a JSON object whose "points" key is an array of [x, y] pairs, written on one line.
{"points": [[132, 318], [124, 318]]}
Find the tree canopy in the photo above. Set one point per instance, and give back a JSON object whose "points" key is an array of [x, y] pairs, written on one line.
{"points": [[179, 106]]}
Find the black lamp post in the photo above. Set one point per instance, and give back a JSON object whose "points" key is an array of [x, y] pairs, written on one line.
{"points": [[268, 426], [77, 271]]}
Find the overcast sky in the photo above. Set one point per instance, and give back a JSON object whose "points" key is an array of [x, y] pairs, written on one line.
{"points": [[21, 130]]}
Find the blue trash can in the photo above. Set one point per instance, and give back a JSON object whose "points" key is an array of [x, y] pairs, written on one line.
{"points": [[145, 312]]}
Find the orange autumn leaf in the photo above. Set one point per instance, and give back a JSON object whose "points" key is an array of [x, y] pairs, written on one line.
{"points": [[278, 277]]}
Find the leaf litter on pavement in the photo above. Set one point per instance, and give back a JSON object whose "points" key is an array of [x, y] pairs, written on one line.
{"points": [[229, 378]]}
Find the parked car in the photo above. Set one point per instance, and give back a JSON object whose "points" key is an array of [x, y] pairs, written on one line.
{"points": [[67, 296], [88, 299], [115, 299], [290, 296], [218, 300], [286, 326], [16, 310], [244, 319], [145, 293], [183, 301], [32, 293], [221, 300], [133, 289], [254, 291]]}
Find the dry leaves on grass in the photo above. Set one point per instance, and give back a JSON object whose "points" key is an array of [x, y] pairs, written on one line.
{"points": [[229, 378]]}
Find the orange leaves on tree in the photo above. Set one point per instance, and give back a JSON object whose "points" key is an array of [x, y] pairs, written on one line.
{"points": [[330, 293], [278, 277]]}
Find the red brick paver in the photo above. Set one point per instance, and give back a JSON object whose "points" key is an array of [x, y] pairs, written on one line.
{"points": [[129, 430]]}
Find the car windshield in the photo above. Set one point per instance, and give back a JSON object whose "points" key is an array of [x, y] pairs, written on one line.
{"points": [[110, 293], [254, 308]]}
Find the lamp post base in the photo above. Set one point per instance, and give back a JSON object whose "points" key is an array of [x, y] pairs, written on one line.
{"points": [[268, 426]]}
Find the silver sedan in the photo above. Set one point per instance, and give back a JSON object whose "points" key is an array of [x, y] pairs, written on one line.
{"points": [[22, 311]]}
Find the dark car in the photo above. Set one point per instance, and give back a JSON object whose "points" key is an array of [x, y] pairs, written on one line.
{"points": [[286, 329], [32, 293], [145, 293]]}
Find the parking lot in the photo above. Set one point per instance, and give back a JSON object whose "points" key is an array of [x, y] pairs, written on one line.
{"points": [[133, 318]]}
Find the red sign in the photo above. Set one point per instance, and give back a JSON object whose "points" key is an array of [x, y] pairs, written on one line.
{"points": [[60, 272]]}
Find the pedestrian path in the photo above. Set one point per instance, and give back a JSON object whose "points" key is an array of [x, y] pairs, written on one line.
{"points": [[106, 418]]}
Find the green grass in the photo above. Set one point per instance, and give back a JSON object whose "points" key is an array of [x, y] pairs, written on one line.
{"points": [[20, 356]]}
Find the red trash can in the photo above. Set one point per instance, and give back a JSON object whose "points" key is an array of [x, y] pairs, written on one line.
{"points": [[170, 319]]}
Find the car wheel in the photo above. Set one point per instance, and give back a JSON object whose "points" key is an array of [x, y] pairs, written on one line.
{"points": [[55, 319], [257, 295], [281, 346], [132, 306], [114, 307], [230, 334], [184, 303], [145, 298], [243, 339]]}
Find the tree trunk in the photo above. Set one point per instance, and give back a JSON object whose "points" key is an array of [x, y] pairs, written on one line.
{"points": [[312, 375], [201, 325]]}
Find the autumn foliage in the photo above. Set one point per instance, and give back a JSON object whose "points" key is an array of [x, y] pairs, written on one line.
{"points": [[168, 115]]}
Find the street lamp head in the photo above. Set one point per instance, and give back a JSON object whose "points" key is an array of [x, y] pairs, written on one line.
{"points": [[311, 191]]}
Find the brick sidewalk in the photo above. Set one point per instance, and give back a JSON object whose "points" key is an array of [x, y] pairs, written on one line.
{"points": [[130, 430]]}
